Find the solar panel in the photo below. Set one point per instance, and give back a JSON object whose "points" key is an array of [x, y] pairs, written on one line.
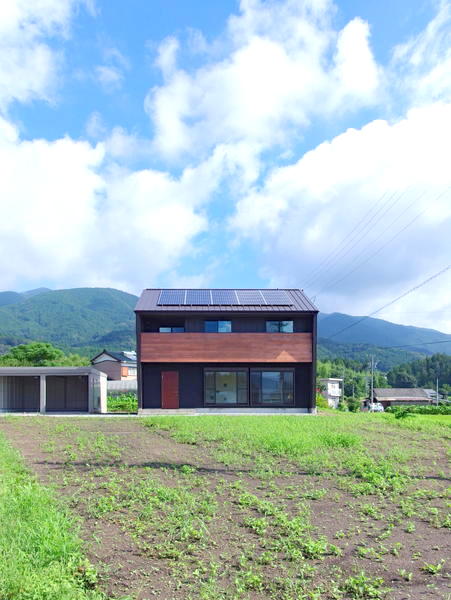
{"points": [[276, 297], [250, 297], [225, 297], [198, 297], [172, 297]]}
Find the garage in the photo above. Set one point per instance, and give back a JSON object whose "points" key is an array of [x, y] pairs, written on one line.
{"points": [[19, 394], [52, 389], [67, 393]]}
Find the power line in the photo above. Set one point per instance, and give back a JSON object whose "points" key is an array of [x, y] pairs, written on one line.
{"points": [[419, 344], [327, 258], [391, 302], [363, 262], [409, 224], [331, 260]]}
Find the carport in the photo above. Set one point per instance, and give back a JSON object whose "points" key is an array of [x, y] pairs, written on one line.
{"points": [[52, 389]]}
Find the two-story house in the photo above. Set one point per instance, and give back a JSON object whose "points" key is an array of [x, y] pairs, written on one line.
{"points": [[228, 348]]}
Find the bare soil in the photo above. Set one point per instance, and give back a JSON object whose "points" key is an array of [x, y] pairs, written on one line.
{"points": [[83, 459]]}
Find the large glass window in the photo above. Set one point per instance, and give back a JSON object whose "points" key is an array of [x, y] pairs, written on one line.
{"points": [[272, 388], [279, 326], [171, 329], [226, 388], [218, 326]]}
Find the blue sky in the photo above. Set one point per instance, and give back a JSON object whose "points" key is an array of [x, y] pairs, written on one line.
{"points": [[167, 143]]}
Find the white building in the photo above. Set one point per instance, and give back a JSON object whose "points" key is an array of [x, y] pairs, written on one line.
{"points": [[332, 390]]}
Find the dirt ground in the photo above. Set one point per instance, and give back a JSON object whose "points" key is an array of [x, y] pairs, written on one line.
{"points": [[169, 520]]}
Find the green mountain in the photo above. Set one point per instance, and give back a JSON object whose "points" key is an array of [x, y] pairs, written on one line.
{"points": [[386, 358], [85, 320], [378, 332], [81, 319]]}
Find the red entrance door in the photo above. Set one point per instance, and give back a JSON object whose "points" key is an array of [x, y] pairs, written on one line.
{"points": [[169, 389]]}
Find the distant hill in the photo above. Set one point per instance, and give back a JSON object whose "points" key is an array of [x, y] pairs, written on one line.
{"points": [[378, 332], [386, 358], [85, 320], [80, 319]]}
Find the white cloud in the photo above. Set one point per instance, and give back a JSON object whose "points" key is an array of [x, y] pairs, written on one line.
{"points": [[78, 218], [422, 66], [28, 66], [111, 74], [302, 212], [282, 65]]}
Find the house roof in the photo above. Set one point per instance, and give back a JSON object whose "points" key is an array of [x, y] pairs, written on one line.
{"points": [[400, 393], [119, 356], [296, 301]]}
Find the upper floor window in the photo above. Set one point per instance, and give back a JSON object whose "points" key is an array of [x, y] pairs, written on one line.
{"points": [[171, 329], [279, 326], [218, 326]]}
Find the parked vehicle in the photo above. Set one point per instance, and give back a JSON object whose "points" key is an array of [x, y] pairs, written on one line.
{"points": [[375, 407]]}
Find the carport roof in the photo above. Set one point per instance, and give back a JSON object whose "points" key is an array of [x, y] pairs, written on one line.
{"points": [[36, 371]]}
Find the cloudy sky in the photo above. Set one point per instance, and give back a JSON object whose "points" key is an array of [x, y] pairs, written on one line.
{"points": [[298, 143]]}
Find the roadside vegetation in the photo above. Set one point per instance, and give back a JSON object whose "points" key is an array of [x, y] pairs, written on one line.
{"points": [[122, 403], [342, 507], [41, 553]]}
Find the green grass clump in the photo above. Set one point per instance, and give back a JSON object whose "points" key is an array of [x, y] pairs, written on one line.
{"points": [[41, 556], [124, 403]]}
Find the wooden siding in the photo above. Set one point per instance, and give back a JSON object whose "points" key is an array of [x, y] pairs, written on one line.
{"points": [[226, 347]]}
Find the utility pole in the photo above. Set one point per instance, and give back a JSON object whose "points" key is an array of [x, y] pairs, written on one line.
{"points": [[373, 366], [436, 392], [343, 388]]}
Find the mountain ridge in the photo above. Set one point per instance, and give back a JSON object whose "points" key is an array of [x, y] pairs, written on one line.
{"points": [[86, 320]]}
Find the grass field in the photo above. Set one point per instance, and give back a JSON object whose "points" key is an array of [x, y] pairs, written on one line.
{"points": [[228, 508]]}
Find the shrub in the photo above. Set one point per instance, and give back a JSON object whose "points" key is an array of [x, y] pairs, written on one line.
{"points": [[354, 404], [342, 405], [123, 403], [430, 409], [321, 402]]}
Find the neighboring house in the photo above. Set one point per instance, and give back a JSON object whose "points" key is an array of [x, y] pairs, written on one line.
{"points": [[332, 390], [117, 365], [235, 349], [432, 395], [400, 396]]}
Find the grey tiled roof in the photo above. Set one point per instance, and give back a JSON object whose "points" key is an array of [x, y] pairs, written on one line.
{"points": [[400, 393], [148, 302]]}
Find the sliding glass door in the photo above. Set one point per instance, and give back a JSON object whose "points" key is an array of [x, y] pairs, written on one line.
{"points": [[272, 388], [226, 388]]}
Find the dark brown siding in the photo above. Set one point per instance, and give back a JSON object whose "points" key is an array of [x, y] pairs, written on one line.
{"points": [[246, 323], [226, 347], [191, 382]]}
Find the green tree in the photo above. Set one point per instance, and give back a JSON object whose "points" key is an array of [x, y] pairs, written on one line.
{"points": [[40, 354]]}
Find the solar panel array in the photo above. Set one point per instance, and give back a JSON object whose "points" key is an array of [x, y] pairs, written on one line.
{"points": [[224, 298]]}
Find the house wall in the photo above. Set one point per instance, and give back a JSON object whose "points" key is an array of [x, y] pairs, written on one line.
{"points": [[191, 382], [112, 368]]}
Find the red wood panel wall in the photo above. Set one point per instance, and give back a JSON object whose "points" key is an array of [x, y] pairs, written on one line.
{"points": [[226, 347], [169, 389]]}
